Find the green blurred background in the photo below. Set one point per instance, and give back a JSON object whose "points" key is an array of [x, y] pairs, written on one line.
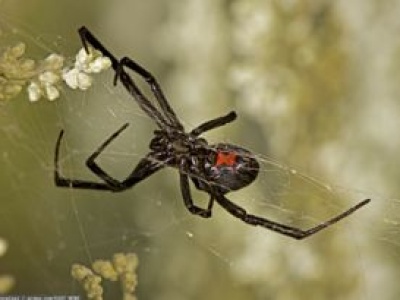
{"points": [[316, 87]]}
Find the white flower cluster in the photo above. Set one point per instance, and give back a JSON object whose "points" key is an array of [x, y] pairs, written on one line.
{"points": [[77, 77], [14, 70], [85, 63], [122, 269], [45, 85], [45, 78]]}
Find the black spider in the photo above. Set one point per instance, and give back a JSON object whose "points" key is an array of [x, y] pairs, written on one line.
{"points": [[215, 169]]}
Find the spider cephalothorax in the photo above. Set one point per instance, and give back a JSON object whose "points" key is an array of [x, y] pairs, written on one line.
{"points": [[215, 169]]}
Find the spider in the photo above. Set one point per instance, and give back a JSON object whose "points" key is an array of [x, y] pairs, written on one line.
{"points": [[213, 168]]}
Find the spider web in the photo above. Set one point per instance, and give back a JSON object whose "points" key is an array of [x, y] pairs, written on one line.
{"points": [[48, 229]]}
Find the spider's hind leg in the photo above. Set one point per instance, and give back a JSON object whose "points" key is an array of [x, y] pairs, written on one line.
{"points": [[187, 199], [287, 230]]}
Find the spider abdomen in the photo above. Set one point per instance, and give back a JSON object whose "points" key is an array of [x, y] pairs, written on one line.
{"points": [[227, 168]]}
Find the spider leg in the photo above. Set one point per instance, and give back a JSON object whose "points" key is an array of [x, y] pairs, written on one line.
{"points": [[155, 88], [89, 39], [187, 199], [214, 123], [61, 181], [146, 167], [290, 231], [94, 167]]}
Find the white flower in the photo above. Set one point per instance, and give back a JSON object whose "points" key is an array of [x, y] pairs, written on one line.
{"points": [[77, 79], [34, 92], [53, 62], [44, 86], [51, 92], [92, 62], [100, 64], [49, 77], [86, 63]]}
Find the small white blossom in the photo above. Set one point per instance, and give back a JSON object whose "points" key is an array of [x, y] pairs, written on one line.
{"points": [[54, 61], [83, 57], [100, 64], [76, 79], [34, 92], [71, 78], [51, 92], [49, 77]]}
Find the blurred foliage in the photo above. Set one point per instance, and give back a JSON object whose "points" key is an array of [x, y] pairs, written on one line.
{"points": [[305, 78], [291, 66], [121, 269]]}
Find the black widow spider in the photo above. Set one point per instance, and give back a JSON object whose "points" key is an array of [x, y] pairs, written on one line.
{"points": [[215, 169]]}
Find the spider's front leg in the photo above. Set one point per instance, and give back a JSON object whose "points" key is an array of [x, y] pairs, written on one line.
{"points": [[89, 39], [154, 86]]}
